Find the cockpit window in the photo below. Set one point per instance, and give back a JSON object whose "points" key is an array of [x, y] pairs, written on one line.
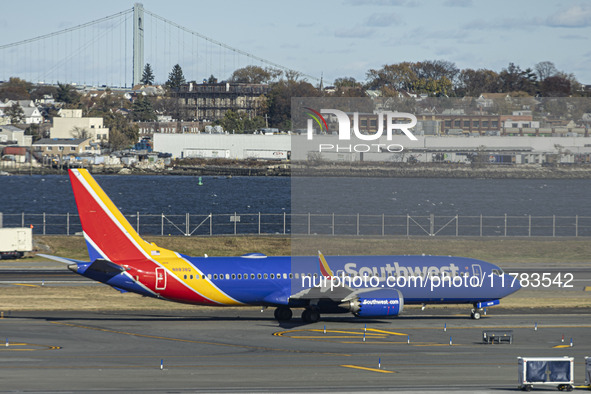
{"points": [[498, 272]]}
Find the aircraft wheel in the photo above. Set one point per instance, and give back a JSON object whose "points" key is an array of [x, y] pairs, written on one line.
{"points": [[476, 315], [283, 313], [310, 315]]}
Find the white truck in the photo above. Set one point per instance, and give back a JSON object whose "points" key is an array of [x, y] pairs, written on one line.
{"points": [[15, 242]]}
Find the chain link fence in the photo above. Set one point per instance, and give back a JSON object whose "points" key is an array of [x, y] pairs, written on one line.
{"points": [[321, 224]]}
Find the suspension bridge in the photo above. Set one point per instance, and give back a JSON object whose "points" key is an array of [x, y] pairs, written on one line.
{"points": [[112, 52]]}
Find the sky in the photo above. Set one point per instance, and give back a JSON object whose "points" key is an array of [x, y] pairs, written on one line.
{"points": [[328, 38]]}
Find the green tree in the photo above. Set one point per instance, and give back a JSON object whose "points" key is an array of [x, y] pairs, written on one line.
{"points": [[148, 75], [142, 110], [240, 122], [67, 94], [15, 113], [279, 100], [122, 133], [212, 79], [176, 78]]}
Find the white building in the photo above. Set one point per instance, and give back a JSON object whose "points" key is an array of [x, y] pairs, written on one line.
{"points": [[15, 136], [70, 124], [31, 114], [227, 146]]}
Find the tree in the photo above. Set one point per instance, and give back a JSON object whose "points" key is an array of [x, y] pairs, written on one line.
{"points": [[15, 113], [122, 133], [176, 78], [212, 79], [142, 110], [67, 94], [240, 122], [545, 70], [80, 133], [279, 100], [513, 79], [555, 86], [148, 75], [474, 82], [15, 89], [255, 74]]}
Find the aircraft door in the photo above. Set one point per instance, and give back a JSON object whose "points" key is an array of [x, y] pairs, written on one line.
{"points": [[476, 270], [160, 278]]}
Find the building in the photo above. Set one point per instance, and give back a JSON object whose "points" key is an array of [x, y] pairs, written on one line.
{"points": [[147, 129], [211, 101], [12, 135], [31, 114], [71, 124], [63, 147], [226, 146]]}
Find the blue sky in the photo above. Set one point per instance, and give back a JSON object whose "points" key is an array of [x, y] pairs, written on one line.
{"points": [[339, 38]]}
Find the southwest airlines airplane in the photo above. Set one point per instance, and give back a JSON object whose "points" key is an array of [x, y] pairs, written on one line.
{"points": [[367, 286]]}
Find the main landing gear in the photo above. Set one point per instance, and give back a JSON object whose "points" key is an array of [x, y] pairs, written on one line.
{"points": [[283, 313], [310, 315]]}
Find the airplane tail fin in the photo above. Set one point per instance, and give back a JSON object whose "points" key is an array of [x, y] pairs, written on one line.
{"points": [[108, 234]]}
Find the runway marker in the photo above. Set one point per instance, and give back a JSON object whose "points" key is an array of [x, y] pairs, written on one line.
{"points": [[325, 328], [571, 342], [380, 363], [444, 327], [365, 329], [450, 341], [6, 342], [408, 339], [536, 326], [161, 364], [562, 338], [367, 369], [364, 336]]}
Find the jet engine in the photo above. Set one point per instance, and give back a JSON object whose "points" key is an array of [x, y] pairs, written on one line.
{"points": [[377, 303]]}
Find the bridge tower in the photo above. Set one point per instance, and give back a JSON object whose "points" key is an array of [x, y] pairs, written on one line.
{"points": [[138, 43]]}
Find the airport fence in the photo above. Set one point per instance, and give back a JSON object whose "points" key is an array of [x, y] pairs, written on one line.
{"points": [[320, 224]]}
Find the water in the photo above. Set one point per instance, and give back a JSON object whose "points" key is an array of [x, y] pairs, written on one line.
{"points": [[563, 204]]}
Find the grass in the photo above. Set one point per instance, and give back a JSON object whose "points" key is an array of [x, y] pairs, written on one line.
{"points": [[495, 250]]}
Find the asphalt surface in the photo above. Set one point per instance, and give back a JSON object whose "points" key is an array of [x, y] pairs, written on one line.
{"points": [[245, 350]]}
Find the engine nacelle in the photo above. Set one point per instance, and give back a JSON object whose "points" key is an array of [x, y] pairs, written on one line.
{"points": [[379, 303]]}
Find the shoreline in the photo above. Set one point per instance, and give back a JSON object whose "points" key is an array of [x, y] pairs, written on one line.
{"points": [[364, 169]]}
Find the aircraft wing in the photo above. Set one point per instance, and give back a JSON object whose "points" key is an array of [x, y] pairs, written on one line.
{"points": [[337, 294]]}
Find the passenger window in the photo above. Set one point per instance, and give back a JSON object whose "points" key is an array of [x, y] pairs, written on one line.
{"points": [[259, 276], [290, 276], [215, 276], [252, 276], [284, 276], [185, 277], [239, 276], [265, 276], [209, 276], [272, 276], [190, 276], [196, 276], [227, 276], [233, 276], [221, 276], [297, 275]]}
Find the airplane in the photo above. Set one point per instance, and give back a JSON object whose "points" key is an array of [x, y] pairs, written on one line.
{"points": [[366, 286]]}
